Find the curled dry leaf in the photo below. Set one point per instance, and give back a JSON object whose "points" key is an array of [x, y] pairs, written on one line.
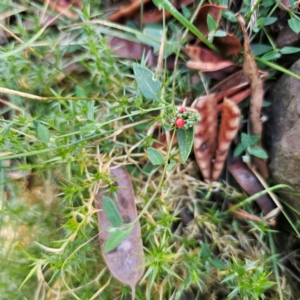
{"points": [[228, 129], [257, 94], [208, 62], [234, 80], [61, 7], [151, 13], [228, 45], [249, 183], [132, 50], [125, 262], [205, 142], [127, 12], [201, 19]]}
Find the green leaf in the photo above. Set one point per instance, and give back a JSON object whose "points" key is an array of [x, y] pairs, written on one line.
{"points": [[91, 110], [185, 142], [257, 151], [5, 130], [156, 32], [264, 22], [271, 55], [155, 156], [30, 274], [112, 212], [248, 140], [205, 251], [217, 263], [80, 92], [148, 85], [269, 21], [289, 50], [258, 49], [211, 23], [88, 129], [42, 131], [116, 238], [220, 33], [239, 150], [233, 293], [171, 165], [294, 24], [186, 12], [229, 15]]}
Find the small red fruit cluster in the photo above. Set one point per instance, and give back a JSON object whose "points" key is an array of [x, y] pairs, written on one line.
{"points": [[179, 122], [185, 119]]}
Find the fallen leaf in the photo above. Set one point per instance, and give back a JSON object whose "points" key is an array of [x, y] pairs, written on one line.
{"points": [[228, 129], [61, 7], [151, 13], [125, 262], [132, 50], [228, 45], [209, 63], [235, 80], [127, 12], [205, 142], [205, 60], [201, 19], [257, 94], [249, 183]]}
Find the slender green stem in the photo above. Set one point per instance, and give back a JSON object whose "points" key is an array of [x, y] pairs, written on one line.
{"points": [[179, 17], [257, 195], [160, 182], [277, 67]]}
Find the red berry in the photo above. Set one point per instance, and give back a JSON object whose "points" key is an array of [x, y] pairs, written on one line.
{"points": [[179, 122], [182, 110]]}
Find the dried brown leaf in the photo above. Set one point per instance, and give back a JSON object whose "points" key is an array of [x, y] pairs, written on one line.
{"points": [[257, 94], [127, 12], [61, 7], [205, 141], [228, 129], [201, 19], [228, 45], [151, 13], [236, 79], [249, 183], [132, 50], [204, 60], [125, 262]]}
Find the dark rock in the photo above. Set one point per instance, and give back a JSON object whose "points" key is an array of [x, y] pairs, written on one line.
{"points": [[284, 128]]}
